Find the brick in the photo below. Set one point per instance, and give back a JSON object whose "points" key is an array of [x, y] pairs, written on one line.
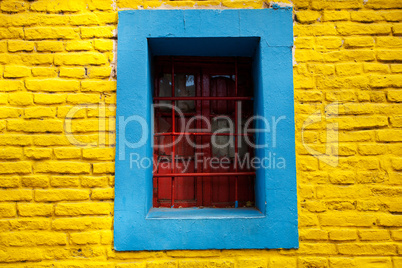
{"points": [[374, 235], [30, 224], [362, 249], [103, 45], [83, 98], [347, 219], [50, 195], [363, 29], [383, 4], [389, 55], [94, 181], [11, 139], [36, 181], [17, 46], [40, 112], [20, 239], [72, 72], [62, 167], [35, 126], [281, 261], [15, 195], [40, 33], [313, 234], [389, 135], [304, 42], [365, 16], [11, 85], [85, 238], [396, 68], [102, 194], [67, 153], [358, 42], [342, 262], [84, 19], [15, 167], [79, 45], [71, 112], [83, 58], [77, 209], [397, 235], [99, 153], [44, 72], [371, 149], [49, 98], [347, 4], [390, 220], [361, 122], [388, 42], [307, 16], [330, 15], [82, 223], [9, 182], [98, 32], [98, 86], [9, 112], [11, 33], [318, 262], [50, 140], [348, 69], [394, 95], [20, 98], [52, 85], [375, 67], [342, 177], [49, 46], [34, 209], [7, 210], [99, 72], [396, 121], [343, 235], [64, 181], [36, 59], [392, 15]]}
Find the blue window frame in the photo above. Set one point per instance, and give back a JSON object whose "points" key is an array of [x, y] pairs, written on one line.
{"points": [[267, 36]]}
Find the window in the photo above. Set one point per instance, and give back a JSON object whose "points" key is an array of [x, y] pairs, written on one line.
{"points": [[265, 37], [201, 107]]}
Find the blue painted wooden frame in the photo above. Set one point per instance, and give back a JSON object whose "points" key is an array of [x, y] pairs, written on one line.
{"points": [[267, 36]]}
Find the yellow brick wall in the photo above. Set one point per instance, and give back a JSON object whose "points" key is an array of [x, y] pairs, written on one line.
{"points": [[56, 199]]}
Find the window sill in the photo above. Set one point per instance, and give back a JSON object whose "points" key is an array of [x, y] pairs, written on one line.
{"points": [[203, 213]]}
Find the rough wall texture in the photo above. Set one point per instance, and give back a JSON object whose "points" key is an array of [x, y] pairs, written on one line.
{"points": [[56, 199]]}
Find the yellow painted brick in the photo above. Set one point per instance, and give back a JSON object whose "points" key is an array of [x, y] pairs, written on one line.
{"points": [[99, 72], [397, 235], [16, 71], [376, 67], [18, 139], [324, 69], [17, 45], [343, 235], [7, 210], [313, 262], [53, 195], [378, 81], [388, 42], [39, 112], [389, 55], [374, 235], [82, 223], [394, 95], [9, 182], [79, 45], [342, 262], [342, 177], [390, 221], [349, 219], [20, 98], [128, 3], [357, 42], [34, 209], [348, 69], [363, 29], [67, 153], [30, 224], [396, 163], [328, 4], [37, 181], [396, 68], [70, 112], [11, 85], [33, 238], [383, 4], [49, 98], [72, 72], [328, 42], [107, 17], [365, 16], [84, 19], [309, 96], [65, 181], [304, 42], [99, 153], [106, 237], [392, 15], [38, 153], [103, 45], [84, 238], [38, 126], [313, 234], [3, 46], [98, 32], [102, 194], [361, 249], [307, 16], [83, 98], [44, 71], [396, 121], [62, 167], [330, 15], [372, 149], [98, 86], [78, 209], [314, 30], [40, 33], [83, 58], [94, 181], [11, 33], [346, 95], [36, 59], [100, 5], [52, 85], [9, 112], [14, 6], [49, 46], [282, 262], [15, 195]]}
